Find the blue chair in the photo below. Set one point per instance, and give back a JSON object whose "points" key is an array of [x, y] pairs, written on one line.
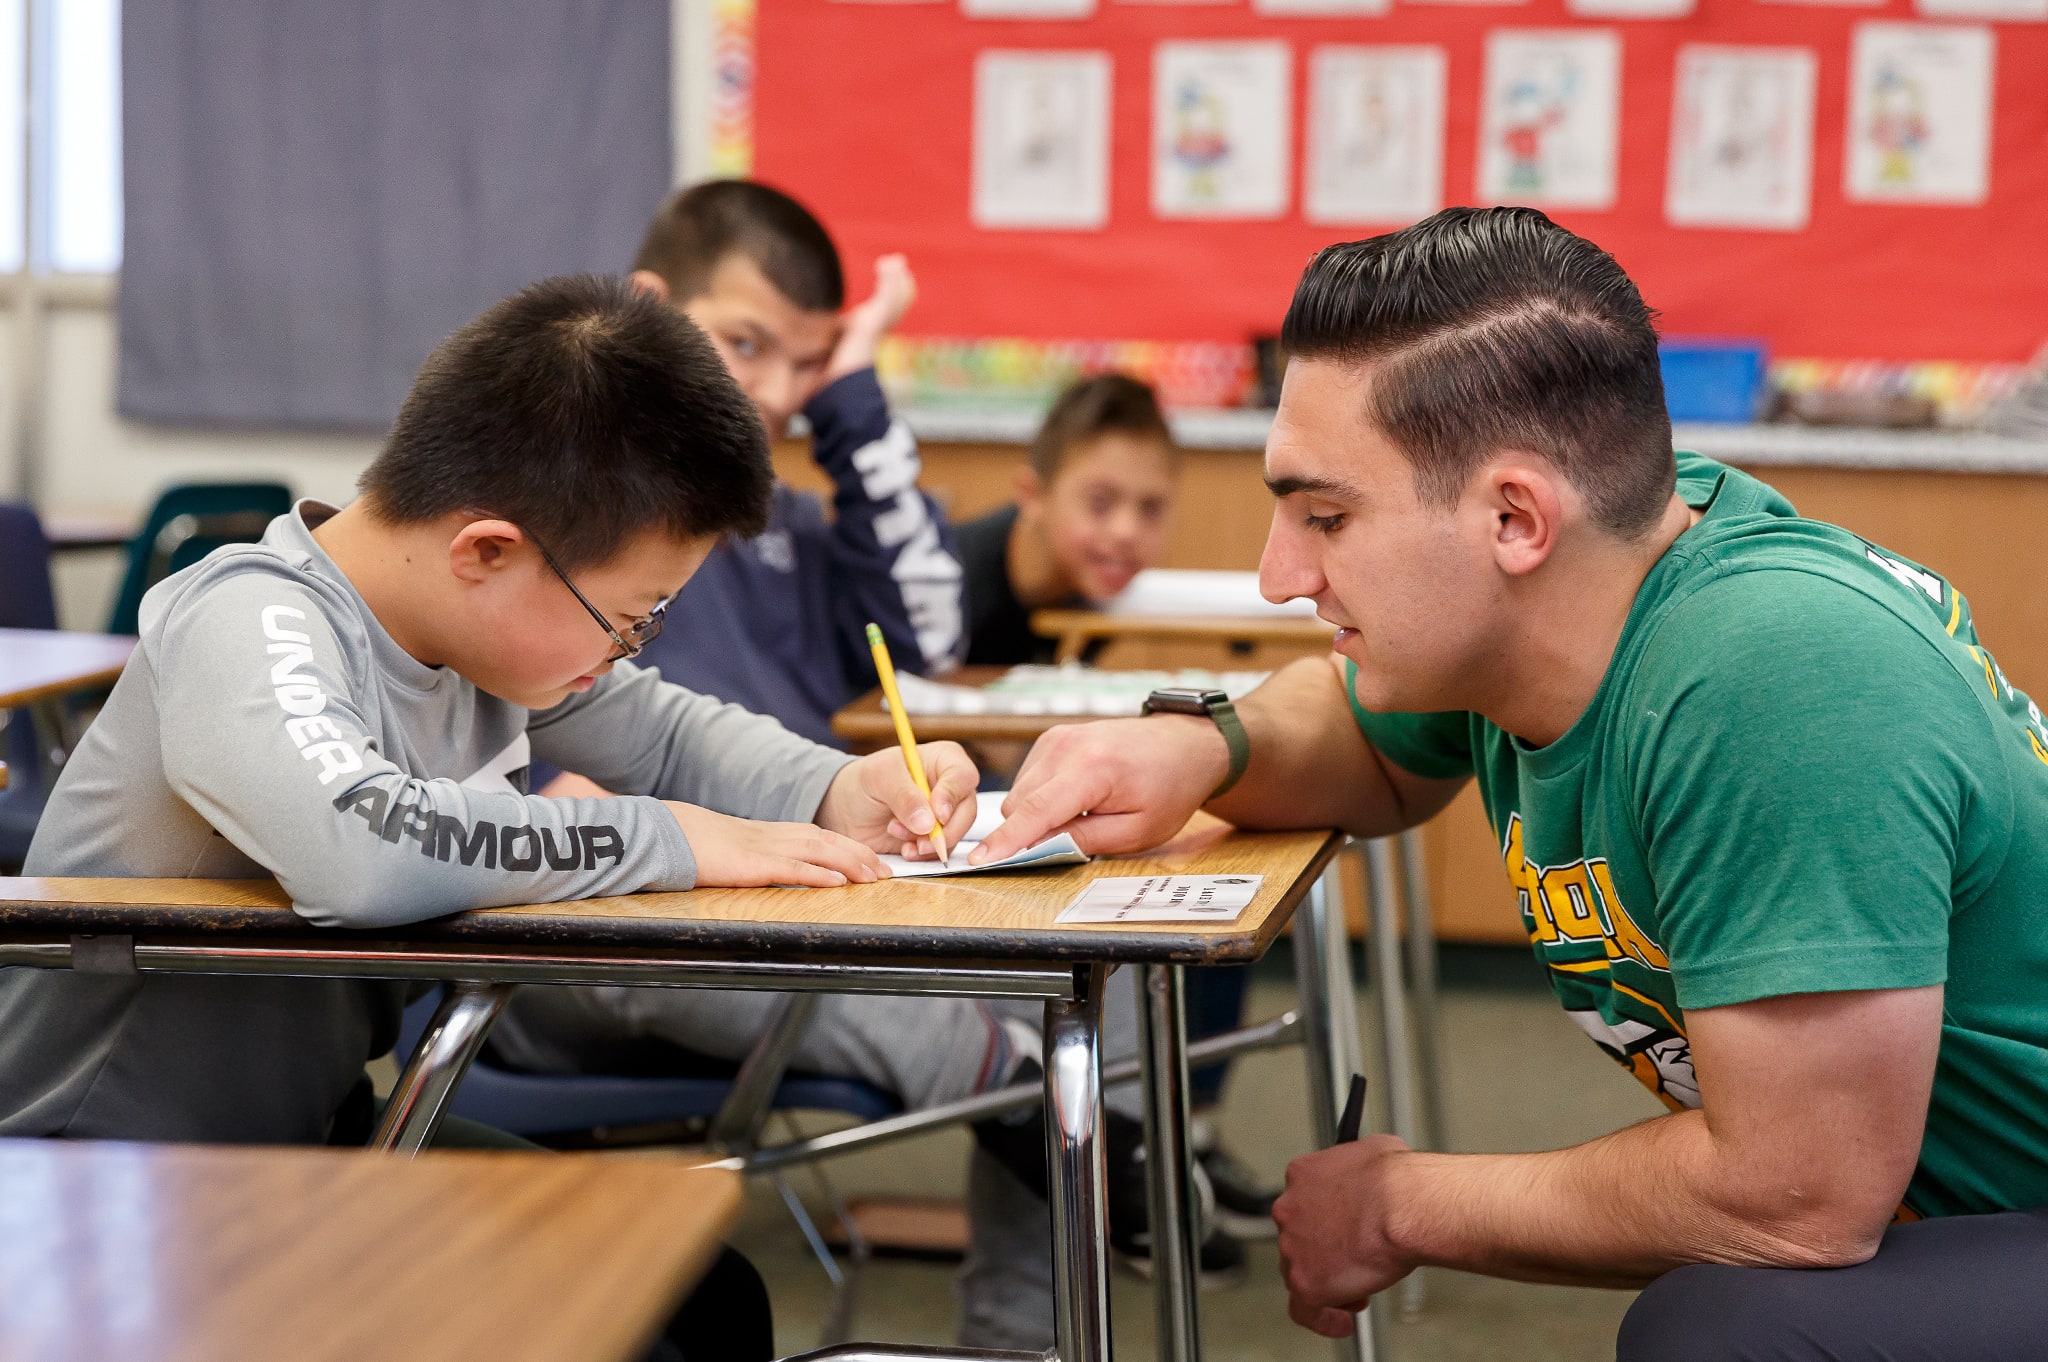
{"points": [[546, 1107], [187, 523], [26, 602]]}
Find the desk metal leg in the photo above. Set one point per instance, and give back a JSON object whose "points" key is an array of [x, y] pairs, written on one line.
{"points": [[1385, 946], [1175, 1209], [1422, 990], [1077, 1172], [1329, 1008], [444, 1055]]}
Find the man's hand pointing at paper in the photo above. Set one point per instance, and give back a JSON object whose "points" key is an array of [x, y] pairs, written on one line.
{"points": [[1128, 784]]}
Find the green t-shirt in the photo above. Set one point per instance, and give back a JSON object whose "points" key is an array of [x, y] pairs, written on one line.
{"points": [[1801, 773]]}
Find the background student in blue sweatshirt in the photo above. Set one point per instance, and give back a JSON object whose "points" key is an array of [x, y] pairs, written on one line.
{"points": [[775, 621]]}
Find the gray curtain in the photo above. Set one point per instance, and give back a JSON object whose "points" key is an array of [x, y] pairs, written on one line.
{"points": [[319, 190]]}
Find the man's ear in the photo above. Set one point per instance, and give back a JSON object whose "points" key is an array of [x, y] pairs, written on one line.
{"points": [[1525, 506], [647, 281], [1029, 490], [483, 548]]}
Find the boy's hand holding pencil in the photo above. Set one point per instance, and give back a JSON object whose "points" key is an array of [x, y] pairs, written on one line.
{"points": [[918, 800], [875, 801]]}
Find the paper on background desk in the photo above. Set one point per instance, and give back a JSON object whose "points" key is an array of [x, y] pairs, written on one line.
{"points": [[1201, 591], [1071, 689], [988, 816], [1163, 898]]}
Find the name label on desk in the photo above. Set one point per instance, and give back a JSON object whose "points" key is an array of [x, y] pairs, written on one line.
{"points": [[1163, 898]]}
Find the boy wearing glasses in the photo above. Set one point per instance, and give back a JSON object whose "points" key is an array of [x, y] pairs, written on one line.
{"points": [[352, 704]]}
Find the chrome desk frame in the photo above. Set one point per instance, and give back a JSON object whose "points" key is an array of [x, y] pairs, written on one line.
{"points": [[481, 981]]}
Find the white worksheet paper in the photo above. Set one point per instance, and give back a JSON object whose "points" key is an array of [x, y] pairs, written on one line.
{"points": [[1221, 129], [1920, 105], [1041, 139], [1375, 143], [1551, 118], [988, 816], [1163, 898], [1027, 9], [1310, 8], [2019, 10], [1742, 137]]}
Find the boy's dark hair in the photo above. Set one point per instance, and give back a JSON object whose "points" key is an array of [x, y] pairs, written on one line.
{"points": [[584, 411], [1091, 407], [1492, 329], [695, 229]]}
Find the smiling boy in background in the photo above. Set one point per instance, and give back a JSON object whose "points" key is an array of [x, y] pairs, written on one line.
{"points": [[1092, 511]]}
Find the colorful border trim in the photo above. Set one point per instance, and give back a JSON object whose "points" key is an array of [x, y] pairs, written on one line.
{"points": [[732, 107], [939, 371]]}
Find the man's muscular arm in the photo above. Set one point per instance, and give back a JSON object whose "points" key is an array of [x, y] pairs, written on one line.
{"points": [[1813, 1110]]}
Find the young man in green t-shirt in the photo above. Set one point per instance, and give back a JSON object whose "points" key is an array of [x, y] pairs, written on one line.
{"points": [[1777, 822]]}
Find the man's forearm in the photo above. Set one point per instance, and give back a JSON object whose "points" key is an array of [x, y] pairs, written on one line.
{"points": [[1617, 1211], [1310, 766]]}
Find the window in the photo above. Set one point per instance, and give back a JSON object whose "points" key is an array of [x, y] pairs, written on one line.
{"points": [[60, 136], [84, 202]]}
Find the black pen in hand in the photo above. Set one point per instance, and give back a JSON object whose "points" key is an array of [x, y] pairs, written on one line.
{"points": [[1354, 1111]]}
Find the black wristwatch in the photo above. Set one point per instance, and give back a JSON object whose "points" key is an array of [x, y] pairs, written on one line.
{"points": [[1216, 707]]}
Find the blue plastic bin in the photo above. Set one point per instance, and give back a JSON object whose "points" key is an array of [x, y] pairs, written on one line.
{"points": [[1710, 380]]}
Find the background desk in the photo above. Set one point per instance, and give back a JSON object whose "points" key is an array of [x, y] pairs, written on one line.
{"points": [[213, 1254], [1266, 641], [1969, 506], [46, 664]]}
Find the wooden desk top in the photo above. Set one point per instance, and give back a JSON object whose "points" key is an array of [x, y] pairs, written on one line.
{"points": [[149, 1253], [41, 664], [1251, 628], [990, 917], [90, 530], [866, 726]]}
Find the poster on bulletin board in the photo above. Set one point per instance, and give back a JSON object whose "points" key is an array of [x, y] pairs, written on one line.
{"points": [[1855, 180]]}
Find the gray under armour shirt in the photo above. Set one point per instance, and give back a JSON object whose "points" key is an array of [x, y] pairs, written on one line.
{"points": [[268, 725]]}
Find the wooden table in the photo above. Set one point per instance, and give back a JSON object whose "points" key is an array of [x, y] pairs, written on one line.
{"points": [[865, 724], [83, 531], [47, 664], [988, 935], [1076, 629], [149, 1253]]}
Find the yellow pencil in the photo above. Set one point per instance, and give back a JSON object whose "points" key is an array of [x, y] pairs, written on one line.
{"points": [[887, 671]]}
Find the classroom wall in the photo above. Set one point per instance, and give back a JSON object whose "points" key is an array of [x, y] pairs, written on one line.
{"points": [[92, 461]]}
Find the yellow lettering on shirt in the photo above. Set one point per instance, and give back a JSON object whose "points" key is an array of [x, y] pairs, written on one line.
{"points": [[1568, 902], [1624, 938], [1576, 902]]}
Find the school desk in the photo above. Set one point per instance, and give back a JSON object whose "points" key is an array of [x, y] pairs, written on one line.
{"points": [[87, 531], [38, 665], [196, 1253], [988, 935], [1271, 638], [865, 726]]}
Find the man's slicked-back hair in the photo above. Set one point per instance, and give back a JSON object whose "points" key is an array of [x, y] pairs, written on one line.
{"points": [[584, 411], [1096, 406], [1491, 329], [695, 229]]}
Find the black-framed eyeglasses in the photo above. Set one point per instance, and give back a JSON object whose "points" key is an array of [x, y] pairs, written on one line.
{"points": [[627, 645]]}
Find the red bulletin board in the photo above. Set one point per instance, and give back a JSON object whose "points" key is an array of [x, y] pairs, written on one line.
{"points": [[866, 112]]}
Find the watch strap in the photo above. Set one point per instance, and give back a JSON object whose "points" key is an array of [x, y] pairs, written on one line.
{"points": [[1224, 713]]}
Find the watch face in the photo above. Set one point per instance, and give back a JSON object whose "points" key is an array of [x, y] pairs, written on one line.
{"points": [[1183, 700]]}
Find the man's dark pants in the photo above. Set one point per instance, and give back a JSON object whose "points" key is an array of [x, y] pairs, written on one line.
{"points": [[1968, 1288]]}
